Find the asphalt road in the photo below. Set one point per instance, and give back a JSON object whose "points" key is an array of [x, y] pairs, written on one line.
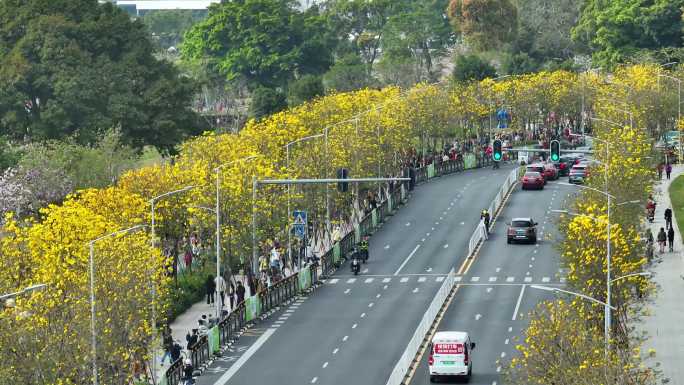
{"points": [[354, 329], [495, 296]]}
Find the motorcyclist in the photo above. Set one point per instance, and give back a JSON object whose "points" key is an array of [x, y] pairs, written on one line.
{"points": [[484, 216], [363, 249], [355, 261], [188, 369]]}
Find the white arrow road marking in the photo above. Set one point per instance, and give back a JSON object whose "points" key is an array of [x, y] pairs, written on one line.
{"points": [[517, 305], [223, 380], [477, 317], [440, 218]]}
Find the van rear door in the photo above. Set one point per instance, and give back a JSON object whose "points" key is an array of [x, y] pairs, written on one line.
{"points": [[449, 354]]}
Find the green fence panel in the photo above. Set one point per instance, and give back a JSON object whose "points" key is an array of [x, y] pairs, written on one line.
{"points": [[304, 278], [336, 252], [469, 161], [214, 343], [431, 170], [357, 234], [252, 308], [374, 218]]}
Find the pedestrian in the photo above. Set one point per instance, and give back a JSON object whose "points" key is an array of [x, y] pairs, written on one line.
{"points": [[220, 283], [659, 168], [231, 294], [662, 237], [188, 260], [668, 218], [168, 344], [192, 339], [668, 170], [670, 238], [240, 292], [211, 289], [175, 352]]}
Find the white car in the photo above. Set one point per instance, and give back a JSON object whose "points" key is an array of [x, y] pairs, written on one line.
{"points": [[450, 355]]}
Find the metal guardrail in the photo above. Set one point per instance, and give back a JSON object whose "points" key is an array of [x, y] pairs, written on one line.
{"points": [[404, 363]]}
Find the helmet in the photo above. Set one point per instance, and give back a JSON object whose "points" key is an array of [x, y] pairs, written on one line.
{"points": [[188, 361]]}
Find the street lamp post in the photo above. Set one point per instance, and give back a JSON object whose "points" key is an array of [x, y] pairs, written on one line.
{"points": [[217, 170], [289, 210], [154, 287], [93, 336]]}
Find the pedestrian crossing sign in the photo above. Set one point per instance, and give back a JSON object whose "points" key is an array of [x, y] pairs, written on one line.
{"points": [[299, 224]]}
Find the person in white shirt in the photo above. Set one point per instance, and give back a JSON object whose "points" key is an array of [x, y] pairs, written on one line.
{"points": [[221, 289]]}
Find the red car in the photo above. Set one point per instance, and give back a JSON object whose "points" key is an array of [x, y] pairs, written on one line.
{"points": [[537, 167], [532, 179], [550, 171]]}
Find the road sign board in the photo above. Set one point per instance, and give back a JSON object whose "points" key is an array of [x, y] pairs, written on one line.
{"points": [[299, 224], [299, 230]]}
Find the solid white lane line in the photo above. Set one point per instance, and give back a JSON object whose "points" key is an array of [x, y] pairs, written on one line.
{"points": [[517, 305], [406, 260], [325, 364], [345, 338], [223, 380], [347, 291], [336, 350]]}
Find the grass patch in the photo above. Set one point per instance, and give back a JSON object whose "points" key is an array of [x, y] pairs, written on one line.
{"points": [[677, 196]]}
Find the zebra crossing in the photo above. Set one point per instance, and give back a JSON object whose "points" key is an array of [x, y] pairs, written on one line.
{"points": [[492, 280]]}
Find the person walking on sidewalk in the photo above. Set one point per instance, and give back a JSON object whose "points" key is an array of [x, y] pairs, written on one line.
{"points": [[211, 289], [221, 288], [662, 238], [668, 170], [670, 238], [168, 345], [660, 171], [240, 292], [668, 218]]}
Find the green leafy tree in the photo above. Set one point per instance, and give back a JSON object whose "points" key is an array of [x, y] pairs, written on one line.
{"points": [[484, 24], [170, 25], [472, 67], [263, 41], [304, 89], [613, 31], [519, 63], [74, 68], [349, 73], [266, 101]]}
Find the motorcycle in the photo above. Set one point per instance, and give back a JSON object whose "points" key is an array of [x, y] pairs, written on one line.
{"points": [[364, 255], [355, 264]]}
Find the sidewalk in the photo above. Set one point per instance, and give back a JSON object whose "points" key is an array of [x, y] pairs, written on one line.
{"points": [[665, 320]]}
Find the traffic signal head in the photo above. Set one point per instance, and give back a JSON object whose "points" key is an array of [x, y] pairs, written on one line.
{"points": [[342, 173], [497, 154], [555, 151]]}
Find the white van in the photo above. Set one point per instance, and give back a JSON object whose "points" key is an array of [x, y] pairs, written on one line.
{"points": [[450, 355]]}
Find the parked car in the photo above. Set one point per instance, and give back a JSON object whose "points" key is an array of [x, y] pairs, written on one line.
{"points": [[550, 171], [536, 167], [578, 173], [532, 180], [522, 229]]}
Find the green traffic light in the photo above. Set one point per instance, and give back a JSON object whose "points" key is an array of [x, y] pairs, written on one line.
{"points": [[554, 157], [497, 156]]}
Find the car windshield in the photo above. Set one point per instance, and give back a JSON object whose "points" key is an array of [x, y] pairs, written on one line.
{"points": [[532, 174], [521, 224]]}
